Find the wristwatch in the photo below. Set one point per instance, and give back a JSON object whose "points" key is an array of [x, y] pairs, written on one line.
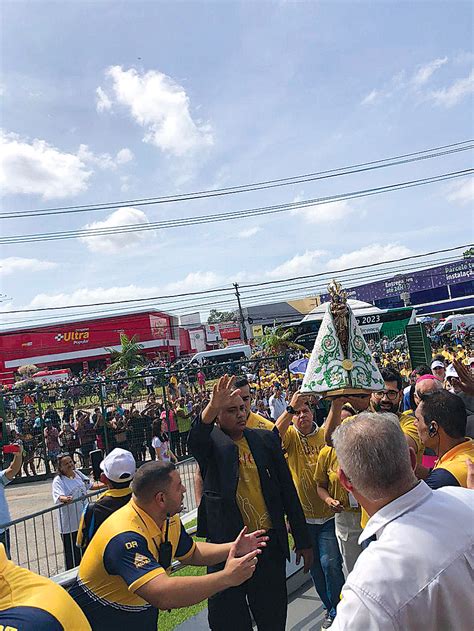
{"points": [[290, 409]]}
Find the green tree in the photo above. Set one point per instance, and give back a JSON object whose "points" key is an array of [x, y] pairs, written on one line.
{"points": [[128, 358], [221, 316], [279, 340], [468, 253]]}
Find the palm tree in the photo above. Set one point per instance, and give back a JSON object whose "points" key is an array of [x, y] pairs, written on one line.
{"points": [[128, 358], [279, 340]]}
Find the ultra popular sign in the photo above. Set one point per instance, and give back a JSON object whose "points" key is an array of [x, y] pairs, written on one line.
{"points": [[78, 336]]}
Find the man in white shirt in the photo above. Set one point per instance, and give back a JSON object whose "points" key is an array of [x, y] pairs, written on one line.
{"points": [[277, 402], [418, 572]]}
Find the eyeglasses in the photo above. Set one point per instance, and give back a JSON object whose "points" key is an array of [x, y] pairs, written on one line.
{"points": [[390, 394]]}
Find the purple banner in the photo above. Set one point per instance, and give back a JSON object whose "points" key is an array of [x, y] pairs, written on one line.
{"points": [[449, 274]]}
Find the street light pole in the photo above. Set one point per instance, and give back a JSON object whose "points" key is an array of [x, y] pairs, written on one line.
{"points": [[241, 314]]}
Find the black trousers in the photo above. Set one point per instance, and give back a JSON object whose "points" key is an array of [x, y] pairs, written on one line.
{"points": [[72, 554], [264, 594]]}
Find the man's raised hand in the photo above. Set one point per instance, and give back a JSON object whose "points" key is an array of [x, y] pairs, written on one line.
{"points": [[223, 395]]}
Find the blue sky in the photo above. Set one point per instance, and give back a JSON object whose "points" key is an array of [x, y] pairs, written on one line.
{"points": [[106, 101]]}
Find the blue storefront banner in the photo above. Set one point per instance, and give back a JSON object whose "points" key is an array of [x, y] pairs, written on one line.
{"points": [[434, 278]]}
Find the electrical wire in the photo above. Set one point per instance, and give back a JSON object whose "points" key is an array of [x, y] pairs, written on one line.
{"points": [[244, 285], [244, 188], [217, 218]]}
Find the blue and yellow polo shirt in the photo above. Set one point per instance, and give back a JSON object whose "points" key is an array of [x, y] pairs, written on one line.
{"points": [[122, 556], [29, 601]]}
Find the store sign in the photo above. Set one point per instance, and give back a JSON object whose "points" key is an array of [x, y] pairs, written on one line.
{"points": [[422, 280], [77, 336], [212, 333], [159, 327], [198, 340]]}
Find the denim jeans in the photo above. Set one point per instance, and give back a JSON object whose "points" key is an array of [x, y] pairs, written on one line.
{"points": [[326, 572]]}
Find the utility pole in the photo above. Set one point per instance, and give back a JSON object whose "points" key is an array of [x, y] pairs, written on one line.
{"points": [[241, 314]]}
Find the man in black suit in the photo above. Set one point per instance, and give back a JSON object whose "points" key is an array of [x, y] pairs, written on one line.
{"points": [[246, 483]]}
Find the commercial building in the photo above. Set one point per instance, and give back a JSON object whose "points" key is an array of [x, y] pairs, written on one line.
{"points": [[85, 344]]}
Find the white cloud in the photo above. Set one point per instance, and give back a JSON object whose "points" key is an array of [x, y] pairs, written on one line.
{"points": [[371, 97], [123, 156], [37, 168], [125, 183], [462, 192], [112, 243], [250, 232], [162, 107], [195, 281], [103, 103], [324, 213], [447, 97], [14, 264], [300, 264], [402, 84], [424, 73], [104, 161], [374, 253]]}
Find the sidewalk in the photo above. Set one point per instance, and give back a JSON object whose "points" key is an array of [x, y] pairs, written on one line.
{"points": [[305, 613]]}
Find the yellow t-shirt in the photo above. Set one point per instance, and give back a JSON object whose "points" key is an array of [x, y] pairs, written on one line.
{"points": [[454, 461], [407, 424], [255, 421], [29, 601], [249, 491], [326, 475], [302, 453]]}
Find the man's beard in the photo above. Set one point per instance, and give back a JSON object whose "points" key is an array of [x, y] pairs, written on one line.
{"points": [[393, 408]]}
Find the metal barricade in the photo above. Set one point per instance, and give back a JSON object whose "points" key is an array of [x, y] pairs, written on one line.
{"points": [[36, 542]]}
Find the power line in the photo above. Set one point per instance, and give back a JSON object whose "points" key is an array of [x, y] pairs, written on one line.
{"points": [[282, 317], [358, 267], [245, 286], [424, 154], [216, 218]]}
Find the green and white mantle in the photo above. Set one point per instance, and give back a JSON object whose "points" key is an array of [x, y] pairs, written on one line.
{"points": [[330, 372]]}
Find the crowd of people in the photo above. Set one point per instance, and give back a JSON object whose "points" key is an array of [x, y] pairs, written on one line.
{"points": [[374, 489]]}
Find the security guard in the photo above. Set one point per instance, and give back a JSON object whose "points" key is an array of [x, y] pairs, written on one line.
{"points": [[118, 469], [29, 601], [441, 423], [123, 580]]}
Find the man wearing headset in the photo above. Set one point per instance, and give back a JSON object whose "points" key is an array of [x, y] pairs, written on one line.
{"points": [[441, 425]]}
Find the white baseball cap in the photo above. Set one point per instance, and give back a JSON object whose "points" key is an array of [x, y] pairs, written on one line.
{"points": [[451, 371], [437, 364], [119, 465]]}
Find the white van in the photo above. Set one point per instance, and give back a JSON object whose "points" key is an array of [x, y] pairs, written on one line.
{"points": [[453, 324], [222, 355]]}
